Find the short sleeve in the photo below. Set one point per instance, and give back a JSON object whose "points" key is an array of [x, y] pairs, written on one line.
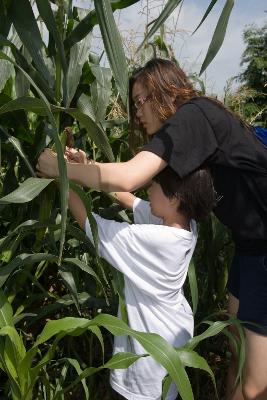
{"points": [[116, 242], [186, 141], [148, 255], [142, 213], [125, 247]]}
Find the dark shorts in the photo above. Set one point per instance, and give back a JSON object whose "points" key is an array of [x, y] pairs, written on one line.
{"points": [[248, 283]]}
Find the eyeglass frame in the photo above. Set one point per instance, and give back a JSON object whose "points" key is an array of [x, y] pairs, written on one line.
{"points": [[141, 101]]}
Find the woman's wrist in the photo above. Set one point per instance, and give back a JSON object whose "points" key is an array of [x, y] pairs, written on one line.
{"points": [[70, 171]]}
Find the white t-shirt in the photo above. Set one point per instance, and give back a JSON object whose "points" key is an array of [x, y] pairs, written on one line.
{"points": [[154, 259]]}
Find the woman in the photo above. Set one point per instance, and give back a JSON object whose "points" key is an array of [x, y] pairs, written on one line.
{"points": [[187, 132]]}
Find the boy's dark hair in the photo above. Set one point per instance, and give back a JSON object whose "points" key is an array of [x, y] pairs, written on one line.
{"points": [[195, 191]]}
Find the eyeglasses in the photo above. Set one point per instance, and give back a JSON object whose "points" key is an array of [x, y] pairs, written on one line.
{"points": [[141, 100]]}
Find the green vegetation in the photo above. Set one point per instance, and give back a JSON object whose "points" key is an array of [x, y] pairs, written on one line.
{"points": [[56, 292], [250, 99]]}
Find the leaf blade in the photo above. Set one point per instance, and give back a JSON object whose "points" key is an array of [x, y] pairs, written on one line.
{"points": [[113, 46], [218, 36]]}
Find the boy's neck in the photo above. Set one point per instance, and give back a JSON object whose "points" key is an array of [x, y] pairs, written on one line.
{"points": [[178, 221]]}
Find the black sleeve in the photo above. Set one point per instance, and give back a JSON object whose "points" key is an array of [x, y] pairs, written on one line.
{"points": [[185, 141]]}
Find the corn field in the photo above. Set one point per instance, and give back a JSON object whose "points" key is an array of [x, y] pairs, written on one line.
{"points": [[58, 298]]}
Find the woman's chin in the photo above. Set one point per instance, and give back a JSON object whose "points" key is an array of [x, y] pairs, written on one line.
{"points": [[150, 131]]}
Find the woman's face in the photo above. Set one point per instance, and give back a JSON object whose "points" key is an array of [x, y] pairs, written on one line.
{"points": [[144, 109]]}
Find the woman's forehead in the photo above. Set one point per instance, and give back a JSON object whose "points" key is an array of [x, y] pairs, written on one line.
{"points": [[138, 90]]}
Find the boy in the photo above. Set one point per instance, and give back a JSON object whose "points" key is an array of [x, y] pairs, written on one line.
{"points": [[154, 255]]}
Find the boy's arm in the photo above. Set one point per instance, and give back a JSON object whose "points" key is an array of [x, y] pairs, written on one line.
{"points": [[77, 209], [126, 199]]}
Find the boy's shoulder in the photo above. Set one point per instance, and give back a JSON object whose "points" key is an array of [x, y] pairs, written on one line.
{"points": [[163, 234]]}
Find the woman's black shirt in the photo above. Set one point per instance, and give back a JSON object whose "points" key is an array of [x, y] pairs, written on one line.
{"points": [[202, 133]]}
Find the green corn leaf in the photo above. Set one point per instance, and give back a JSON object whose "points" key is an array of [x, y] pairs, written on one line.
{"points": [[239, 346], [94, 131], [15, 339], [215, 328], [166, 385], [97, 332], [68, 278], [84, 267], [26, 26], [119, 360], [27, 191], [61, 379], [80, 235], [10, 359], [6, 68], [194, 360], [47, 15], [5, 22], [10, 247], [21, 260], [113, 46], [166, 12], [27, 103], [64, 183], [122, 360], [18, 147], [87, 203], [87, 24], [79, 54], [79, 371], [155, 345], [6, 312], [210, 7], [193, 285], [67, 326], [22, 62], [218, 36], [101, 90]]}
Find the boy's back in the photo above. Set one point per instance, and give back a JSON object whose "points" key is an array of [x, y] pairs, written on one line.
{"points": [[154, 259]]}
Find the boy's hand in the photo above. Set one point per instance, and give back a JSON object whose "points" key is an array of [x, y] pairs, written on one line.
{"points": [[47, 165]]}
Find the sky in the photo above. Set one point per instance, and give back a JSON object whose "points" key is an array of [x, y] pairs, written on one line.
{"points": [[191, 50]]}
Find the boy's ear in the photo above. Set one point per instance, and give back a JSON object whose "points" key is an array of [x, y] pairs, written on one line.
{"points": [[174, 201]]}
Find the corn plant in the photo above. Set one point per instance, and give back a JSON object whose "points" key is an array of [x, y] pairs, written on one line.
{"points": [[48, 268]]}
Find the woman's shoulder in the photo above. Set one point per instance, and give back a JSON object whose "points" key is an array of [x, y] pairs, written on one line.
{"points": [[195, 108]]}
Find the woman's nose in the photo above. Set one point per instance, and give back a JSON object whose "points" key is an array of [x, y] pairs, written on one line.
{"points": [[139, 112]]}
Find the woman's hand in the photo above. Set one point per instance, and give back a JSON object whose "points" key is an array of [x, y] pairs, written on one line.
{"points": [[47, 165], [76, 156]]}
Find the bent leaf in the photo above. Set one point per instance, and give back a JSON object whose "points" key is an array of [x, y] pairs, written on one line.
{"points": [[28, 103], [21, 260], [26, 26], [166, 12], [86, 25], [218, 35], [17, 146], [113, 46], [210, 7], [27, 191]]}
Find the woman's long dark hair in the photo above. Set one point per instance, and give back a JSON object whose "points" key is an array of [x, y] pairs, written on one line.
{"points": [[169, 88]]}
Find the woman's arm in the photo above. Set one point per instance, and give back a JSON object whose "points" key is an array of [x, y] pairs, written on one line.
{"points": [[126, 199], [108, 177]]}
